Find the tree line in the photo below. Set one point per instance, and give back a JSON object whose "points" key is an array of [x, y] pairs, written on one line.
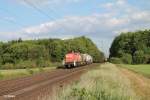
{"points": [[131, 48], [43, 52]]}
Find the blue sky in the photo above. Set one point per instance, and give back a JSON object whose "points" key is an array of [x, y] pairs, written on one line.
{"points": [[101, 20]]}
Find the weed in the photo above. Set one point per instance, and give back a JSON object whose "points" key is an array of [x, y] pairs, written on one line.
{"points": [[41, 69], [30, 71], [105, 83], [1, 75]]}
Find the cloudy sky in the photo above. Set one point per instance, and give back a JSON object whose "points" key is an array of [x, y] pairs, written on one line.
{"points": [[101, 20]]}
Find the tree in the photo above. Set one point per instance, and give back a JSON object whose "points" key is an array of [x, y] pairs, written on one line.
{"points": [[40, 53], [126, 58], [137, 44], [138, 57]]}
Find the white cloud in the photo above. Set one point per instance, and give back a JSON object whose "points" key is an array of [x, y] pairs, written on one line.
{"points": [[121, 2], [108, 5], [115, 5], [121, 17], [78, 25], [5, 36]]}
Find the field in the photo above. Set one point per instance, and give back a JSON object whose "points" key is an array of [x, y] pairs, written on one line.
{"points": [[106, 82], [142, 69], [93, 82], [15, 73]]}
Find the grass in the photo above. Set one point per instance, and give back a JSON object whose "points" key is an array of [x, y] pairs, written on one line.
{"points": [[15, 73], [104, 83], [142, 69]]}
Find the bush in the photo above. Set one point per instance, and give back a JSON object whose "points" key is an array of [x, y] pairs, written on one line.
{"points": [[1, 76], [147, 59], [139, 57], [25, 64], [7, 58], [7, 66], [0, 65], [115, 60], [126, 58], [29, 71], [41, 69], [43, 63]]}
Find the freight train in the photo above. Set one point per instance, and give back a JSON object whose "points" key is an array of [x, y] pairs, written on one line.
{"points": [[75, 59]]}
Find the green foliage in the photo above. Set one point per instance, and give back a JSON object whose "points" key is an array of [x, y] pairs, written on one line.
{"points": [[83, 94], [43, 63], [7, 58], [1, 76], [115, 60], [7, 66], [0, 62], [138, 57], [126, 58], [30, 71], [137, 44], [40, 53], [25, 64], [41, 69]]}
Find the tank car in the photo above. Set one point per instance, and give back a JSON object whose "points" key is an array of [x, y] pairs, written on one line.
{"points": [[87, 58]]}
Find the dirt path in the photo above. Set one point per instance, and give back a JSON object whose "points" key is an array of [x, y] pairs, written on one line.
{"points": [[140, 83], [38, 86]]}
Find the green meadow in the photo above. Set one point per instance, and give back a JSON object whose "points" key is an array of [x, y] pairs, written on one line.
{"points": [[143, 69], [16, 73]]}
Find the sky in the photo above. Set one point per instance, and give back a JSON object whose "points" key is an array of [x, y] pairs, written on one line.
{"points": [[100, 20]]}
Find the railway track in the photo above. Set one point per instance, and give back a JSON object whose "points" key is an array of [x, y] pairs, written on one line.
{"points": [[29, 88]]}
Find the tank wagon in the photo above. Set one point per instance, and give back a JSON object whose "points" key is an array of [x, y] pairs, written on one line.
{"points": [[75, 59]]}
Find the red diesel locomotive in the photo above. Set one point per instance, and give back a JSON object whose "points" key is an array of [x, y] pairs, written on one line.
{"points": [[75, 59]]}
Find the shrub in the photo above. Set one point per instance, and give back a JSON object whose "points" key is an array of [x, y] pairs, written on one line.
{"points": [[115, 60], [126, 58], [41, 69], [147, 59], [29, 71], [25, 64], [7, 58], [139, 57], [7, 66], [1, 76], [43, 63], [0, 65]]}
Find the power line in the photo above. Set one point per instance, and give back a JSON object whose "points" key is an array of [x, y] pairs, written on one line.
{"points": [[7, 11], [12, 22], [43, 12], [38, 9], [9, 20]]}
